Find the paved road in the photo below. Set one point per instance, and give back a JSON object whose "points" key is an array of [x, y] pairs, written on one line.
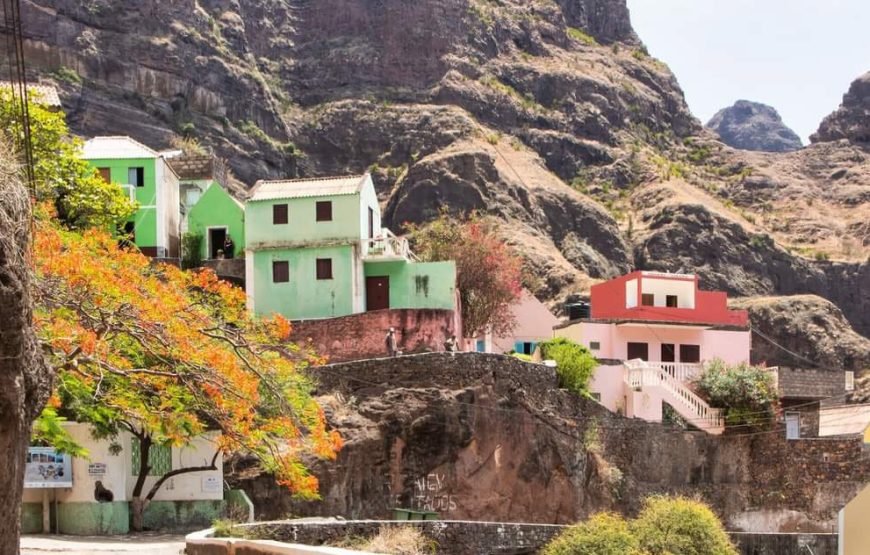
{"points": [[141, 544]]}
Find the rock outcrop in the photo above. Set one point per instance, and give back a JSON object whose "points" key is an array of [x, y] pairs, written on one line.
{"points": [[804, 331], [487, 437], [753, 126], [852, 120]]}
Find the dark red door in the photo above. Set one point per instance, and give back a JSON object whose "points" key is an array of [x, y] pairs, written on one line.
{"points": [[377, 292]]}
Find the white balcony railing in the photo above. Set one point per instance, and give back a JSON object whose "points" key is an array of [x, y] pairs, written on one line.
{"points": [[387, 247]]}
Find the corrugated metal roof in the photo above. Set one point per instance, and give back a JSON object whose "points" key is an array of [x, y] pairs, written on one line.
{"points": [[40, 94], [115, 148], [309, 187]]}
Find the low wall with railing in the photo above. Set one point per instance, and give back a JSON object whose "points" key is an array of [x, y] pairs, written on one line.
{"points": [[452, 537]]}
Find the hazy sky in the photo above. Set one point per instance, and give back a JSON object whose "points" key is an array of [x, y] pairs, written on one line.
{"points": [[798, 56]]}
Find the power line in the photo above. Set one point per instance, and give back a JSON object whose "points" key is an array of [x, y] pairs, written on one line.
{"points": [[12, 29]]}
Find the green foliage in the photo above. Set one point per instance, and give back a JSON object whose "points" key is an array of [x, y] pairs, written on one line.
{"points": [[760, 241], [639, 54], [522, 356], [574, 363], [48, 430], [68, 75], [747, 393], [582, 36], [670, 526], [821, 256], [253, 131], [666, 526], [603, 534], [79, 194], [191, 250], [187, 129]]}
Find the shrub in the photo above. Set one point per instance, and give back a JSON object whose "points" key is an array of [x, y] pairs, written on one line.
{"points": [[747, 393], [191, 250], [603, 534], [582, 36], [574, 363], [403, 540], [678, 525]]}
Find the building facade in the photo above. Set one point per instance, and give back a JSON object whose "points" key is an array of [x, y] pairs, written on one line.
{"points": [[652, 333], [145, 175], [215, 216], [534, 323], [315, 248]]}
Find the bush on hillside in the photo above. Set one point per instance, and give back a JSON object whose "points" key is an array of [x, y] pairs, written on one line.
{"points": [[603, 534], [747, 393], [678, 525], [574, 363]]}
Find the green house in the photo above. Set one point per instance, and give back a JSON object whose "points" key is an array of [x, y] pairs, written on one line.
{"points": [[316, 249], [146, 176], [216, 216]]}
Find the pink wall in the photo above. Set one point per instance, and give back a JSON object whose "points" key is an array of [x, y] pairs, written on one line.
{"points": [[711, 307], [362, 336], [534, 323], [730, 346]]}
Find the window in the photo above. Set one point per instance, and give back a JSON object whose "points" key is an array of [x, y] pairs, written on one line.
{"points": [[106, 174], [525, 347], [280, 271], [648, 299], [136, 176], [690, 353], [671, 301], [159, 458], [279, 214], [594, 345], [324, 211], [638, 350], [371, 223], [669, 352], [324, 268]]}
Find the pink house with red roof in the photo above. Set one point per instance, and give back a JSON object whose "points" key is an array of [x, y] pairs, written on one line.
{"points": [[652, 333]]}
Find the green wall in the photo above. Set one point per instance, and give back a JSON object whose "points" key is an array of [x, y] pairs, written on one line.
{"points": [[145, 219], [31, 518], [304, 296], [418, 284], [302, 226], [216, 208], [89, 518]]}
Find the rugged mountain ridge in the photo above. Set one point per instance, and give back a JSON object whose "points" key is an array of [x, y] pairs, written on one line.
{"points": [[753, 126], [851, 121], [549, 115]]}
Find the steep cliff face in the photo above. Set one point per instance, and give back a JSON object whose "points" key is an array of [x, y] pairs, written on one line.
{"points": [[852, 120], [485, 437], [547, 114], [753, 126]]}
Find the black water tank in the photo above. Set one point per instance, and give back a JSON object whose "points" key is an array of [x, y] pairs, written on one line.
{"points": [[578, 311]]}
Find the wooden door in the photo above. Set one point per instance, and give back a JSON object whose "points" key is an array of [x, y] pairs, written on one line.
{"points": [[377, 293], [638, 350]]}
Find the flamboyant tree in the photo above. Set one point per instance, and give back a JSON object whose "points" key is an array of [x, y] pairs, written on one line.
{"points": [[489, 273], [166, 355]]}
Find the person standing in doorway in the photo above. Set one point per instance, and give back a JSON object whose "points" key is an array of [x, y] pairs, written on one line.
{"points": [[392, 346], [450, 345], [228, 247]]}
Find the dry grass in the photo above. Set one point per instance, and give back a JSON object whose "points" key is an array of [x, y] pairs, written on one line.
{"points": [[404, 540]]}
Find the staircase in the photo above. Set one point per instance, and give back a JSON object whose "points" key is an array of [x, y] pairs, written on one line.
{"points": [[668, 379]]}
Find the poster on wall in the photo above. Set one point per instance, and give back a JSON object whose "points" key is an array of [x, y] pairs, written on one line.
{"points": [[46, 468]]}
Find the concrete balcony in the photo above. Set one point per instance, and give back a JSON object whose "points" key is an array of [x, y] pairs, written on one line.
{"points": [[387, 247]]}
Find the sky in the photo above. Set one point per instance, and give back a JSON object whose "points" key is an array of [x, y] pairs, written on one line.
{"points": [[798, 56]]}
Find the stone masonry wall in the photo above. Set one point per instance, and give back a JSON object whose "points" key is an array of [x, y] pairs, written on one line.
{"points": [[489, 437], [362, 336]]}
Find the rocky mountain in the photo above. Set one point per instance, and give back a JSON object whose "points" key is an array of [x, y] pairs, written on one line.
{"points": [[753, 126], [852, 120], [546, 114]]}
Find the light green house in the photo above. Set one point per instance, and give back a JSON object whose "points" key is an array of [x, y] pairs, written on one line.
{"points": [[216, 215], [316, 249], [146, 176]]}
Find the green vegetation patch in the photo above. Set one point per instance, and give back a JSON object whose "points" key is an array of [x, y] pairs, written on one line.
{"points": [[574, 363]]}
